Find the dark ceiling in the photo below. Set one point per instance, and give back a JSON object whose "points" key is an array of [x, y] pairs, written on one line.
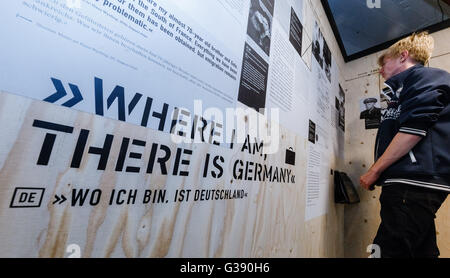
{"points": [[361, 30]]}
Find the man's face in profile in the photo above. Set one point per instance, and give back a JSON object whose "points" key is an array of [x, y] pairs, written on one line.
{"points": [[370, 105], [391, 66]]}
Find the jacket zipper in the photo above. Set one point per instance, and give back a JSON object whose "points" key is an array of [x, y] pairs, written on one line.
{"points": [[376, 148], [413, 158]]}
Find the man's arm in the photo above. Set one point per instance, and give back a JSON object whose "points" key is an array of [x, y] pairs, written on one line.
{"points": [[400, 146]]}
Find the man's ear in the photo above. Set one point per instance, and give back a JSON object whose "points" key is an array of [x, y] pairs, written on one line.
{"points": [[404, 56]]}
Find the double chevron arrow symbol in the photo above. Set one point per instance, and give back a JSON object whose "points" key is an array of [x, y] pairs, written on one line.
{"points": [[59, 200], [61, 92]]}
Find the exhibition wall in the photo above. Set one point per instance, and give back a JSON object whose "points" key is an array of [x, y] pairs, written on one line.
{"points": [[163, 128]]}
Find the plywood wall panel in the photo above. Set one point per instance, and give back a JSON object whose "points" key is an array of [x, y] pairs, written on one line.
{"points": [[269, 223]]}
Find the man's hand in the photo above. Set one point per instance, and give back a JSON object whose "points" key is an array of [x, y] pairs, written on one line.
{"points": [[368, 179], [400, 146]]}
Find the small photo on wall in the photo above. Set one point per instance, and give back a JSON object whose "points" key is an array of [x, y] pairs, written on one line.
{"points": [[317, 45], [321, 51], [340, 106], [260, 23], [370, 112]]}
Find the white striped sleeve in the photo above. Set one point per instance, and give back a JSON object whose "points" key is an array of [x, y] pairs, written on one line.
{"points": [[414, 131]]}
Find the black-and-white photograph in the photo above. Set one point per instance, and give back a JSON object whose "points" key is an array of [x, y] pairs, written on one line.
{"points": [[260, 23], [341, 94], [321, 51], [327, 60], [340, 106], [370, 112], [317, 44]]}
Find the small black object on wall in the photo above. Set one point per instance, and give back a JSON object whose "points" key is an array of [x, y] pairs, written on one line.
{"points": [[344, 190], [290, 157]]}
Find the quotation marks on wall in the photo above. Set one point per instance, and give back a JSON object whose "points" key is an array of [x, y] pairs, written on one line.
{"points": [[61, 92]]}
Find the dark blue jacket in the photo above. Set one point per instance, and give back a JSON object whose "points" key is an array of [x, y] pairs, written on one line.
{"points": [[418, 101]]}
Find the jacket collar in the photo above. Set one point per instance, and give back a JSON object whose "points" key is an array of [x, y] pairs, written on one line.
{"points": [[396, 81]]}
